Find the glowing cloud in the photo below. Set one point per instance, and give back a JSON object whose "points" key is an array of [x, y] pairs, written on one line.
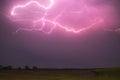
{"points": [[70, 18]]}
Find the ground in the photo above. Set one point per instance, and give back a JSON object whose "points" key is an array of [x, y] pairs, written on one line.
{"points": [[61, 74]]}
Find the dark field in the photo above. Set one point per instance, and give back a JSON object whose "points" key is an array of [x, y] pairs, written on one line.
{"points": [[61, 74]]}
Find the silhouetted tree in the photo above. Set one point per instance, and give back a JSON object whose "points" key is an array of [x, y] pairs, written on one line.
{"points": [[34, 68], [19, 68], [7, 68], [10, 67], [1, 67], [27, 68]]}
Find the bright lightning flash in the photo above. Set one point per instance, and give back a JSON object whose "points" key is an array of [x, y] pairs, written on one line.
{"points": [[73, 20]]}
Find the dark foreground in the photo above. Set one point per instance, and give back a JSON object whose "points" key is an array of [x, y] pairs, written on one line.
{"points": [[61, 74]]}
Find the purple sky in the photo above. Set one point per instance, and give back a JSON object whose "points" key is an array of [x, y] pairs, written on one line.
{"points": [[96, 47]]}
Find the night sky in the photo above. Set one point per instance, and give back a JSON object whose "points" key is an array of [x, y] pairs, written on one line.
{"points": [[93, 48]]}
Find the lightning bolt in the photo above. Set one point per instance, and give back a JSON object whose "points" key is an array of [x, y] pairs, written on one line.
{"points": [[54, 21], [32, 2]]}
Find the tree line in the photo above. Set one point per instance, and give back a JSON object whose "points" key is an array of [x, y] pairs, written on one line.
{"points": [[9, 67]]}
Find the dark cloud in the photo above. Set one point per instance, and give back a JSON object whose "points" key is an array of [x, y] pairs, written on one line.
{"points": [[98, 48]]}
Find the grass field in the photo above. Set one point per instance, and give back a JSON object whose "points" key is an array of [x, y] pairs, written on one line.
{"points": [[54, 74]]}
